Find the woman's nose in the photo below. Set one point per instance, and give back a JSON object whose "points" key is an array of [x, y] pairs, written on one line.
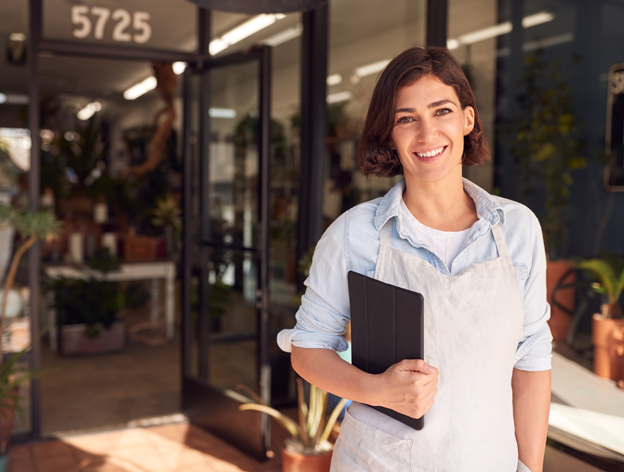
{"points": [[426, 132]]}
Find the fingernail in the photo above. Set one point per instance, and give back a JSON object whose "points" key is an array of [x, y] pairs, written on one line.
{"points": [[429, 370]]}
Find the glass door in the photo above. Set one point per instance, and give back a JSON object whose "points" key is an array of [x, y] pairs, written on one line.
{"points": [[226, 300]]}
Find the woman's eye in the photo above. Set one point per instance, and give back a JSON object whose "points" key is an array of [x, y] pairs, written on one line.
{"points": [[443, 111], [405, 119]]}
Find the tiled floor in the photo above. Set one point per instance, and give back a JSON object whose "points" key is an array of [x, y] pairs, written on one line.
{"points": [[169, 448]]}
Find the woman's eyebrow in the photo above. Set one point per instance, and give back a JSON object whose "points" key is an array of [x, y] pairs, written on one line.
{"points": [[440, 102], [431, 105]]}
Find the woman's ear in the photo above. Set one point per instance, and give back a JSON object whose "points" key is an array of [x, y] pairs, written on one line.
{"points": [[469, 120]]}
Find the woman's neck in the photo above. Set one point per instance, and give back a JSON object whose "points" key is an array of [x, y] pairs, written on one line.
{"points": [[441, 205]]}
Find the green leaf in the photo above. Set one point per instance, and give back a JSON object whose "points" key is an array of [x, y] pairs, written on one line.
{"points": [[604, 271], [288, 424], [546, 151]]}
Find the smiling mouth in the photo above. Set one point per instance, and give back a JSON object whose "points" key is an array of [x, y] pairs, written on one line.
{"points": [[432, 153]]}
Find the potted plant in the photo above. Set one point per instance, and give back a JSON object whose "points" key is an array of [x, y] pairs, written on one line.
{"points": [[87, 310], [32, 226], [608, 325], [547, 147], [308, 449]]}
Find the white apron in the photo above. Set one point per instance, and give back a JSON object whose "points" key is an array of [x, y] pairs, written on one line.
{"points": [[473, 323]]}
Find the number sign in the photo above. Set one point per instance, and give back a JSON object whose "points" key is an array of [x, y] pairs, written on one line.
{"points": [[129, 26], [155, 24]]}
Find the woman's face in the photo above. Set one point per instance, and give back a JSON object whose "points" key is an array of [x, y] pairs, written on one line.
{"points": [[429, 129]]}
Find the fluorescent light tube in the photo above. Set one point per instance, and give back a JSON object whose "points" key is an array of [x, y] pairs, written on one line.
{"points": [[284, 36], [222, 113], [235, 35], [339, 97], [334, 79], [498, 30], [140, 89], [486, 33], [537, 19], [371, 68], [90, 110]]}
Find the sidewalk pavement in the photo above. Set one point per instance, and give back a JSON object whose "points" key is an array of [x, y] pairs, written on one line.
{"points": [[169, 448]]}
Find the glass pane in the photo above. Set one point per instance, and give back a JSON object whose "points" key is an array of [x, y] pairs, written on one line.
{"points": [[159, 24], [232, 341], [364, 37], [233, 155]]}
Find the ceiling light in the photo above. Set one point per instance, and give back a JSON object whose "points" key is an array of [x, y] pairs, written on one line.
{"points": [[90, 110], [222, 113], [334, 79], [179, 67], [339, 97], [17, 37], [243, 31], [486, 33], [284, 36], [141, 88], [14, 99], [371, 68], [537, 19], [498, 30]]}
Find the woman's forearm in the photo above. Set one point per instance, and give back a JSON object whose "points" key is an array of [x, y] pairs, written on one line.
{"points": [[531, 406], [325, 369]]}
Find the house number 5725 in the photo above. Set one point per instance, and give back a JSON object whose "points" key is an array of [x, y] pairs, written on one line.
{"points": [[139, 20]]}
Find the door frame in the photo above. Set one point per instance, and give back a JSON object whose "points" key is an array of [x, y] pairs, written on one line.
{"points": [[212, 408]]}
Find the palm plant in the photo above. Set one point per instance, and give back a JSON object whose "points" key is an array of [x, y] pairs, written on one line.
{"points": [[32, 226], [311, 432], [611, 285]]}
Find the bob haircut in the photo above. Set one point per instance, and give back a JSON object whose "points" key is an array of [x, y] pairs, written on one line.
{"points": [[374, 152]]}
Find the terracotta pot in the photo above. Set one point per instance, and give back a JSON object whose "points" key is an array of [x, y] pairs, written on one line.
{"points": [[297, 462], [608, 339], [559, 321]]}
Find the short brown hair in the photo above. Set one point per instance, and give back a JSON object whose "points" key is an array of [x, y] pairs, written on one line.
{"points": [[374, 152]]}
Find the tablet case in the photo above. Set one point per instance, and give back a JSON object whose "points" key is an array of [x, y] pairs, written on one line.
{"points": [[387, 326]]}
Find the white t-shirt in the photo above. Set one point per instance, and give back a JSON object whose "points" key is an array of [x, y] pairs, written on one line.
{"points": [[446, 244]]}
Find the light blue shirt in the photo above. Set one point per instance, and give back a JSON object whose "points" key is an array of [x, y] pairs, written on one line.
{"points": [[352, 243]]}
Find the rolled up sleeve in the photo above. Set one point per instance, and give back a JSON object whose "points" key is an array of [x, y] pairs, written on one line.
{"points": [[324, 313], [534, 352]]}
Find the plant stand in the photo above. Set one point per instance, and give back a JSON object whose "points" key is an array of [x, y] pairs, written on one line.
{"points": [[608, 339], [74, 340]]}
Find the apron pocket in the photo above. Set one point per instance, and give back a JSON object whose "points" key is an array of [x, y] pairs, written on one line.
{"points": [[361, 447], [522, 467]]}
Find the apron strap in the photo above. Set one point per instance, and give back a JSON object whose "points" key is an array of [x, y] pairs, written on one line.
{"points": [[501, 245], [385, 238]]}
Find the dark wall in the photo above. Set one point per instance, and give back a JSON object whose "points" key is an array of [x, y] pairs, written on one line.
{"points": [[593, 30]]}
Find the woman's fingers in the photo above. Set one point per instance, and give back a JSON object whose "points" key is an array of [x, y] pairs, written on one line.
{"points": [[409, 387]]}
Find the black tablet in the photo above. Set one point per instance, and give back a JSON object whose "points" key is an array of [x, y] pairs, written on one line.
{"points": [[387, 326]]}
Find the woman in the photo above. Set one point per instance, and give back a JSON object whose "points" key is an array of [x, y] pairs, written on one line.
{"points": [[480, 264]]}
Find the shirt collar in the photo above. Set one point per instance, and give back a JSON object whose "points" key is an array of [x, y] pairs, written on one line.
{"points": [[487, 207]]}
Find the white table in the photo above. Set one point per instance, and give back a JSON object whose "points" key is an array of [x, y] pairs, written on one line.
{"points": [[128, 271]]}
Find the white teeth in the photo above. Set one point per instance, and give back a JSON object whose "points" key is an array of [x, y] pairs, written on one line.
{"points": [[435, 152]]}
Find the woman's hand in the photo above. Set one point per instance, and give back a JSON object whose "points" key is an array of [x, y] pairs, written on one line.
{"points": [[407, 387]]}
